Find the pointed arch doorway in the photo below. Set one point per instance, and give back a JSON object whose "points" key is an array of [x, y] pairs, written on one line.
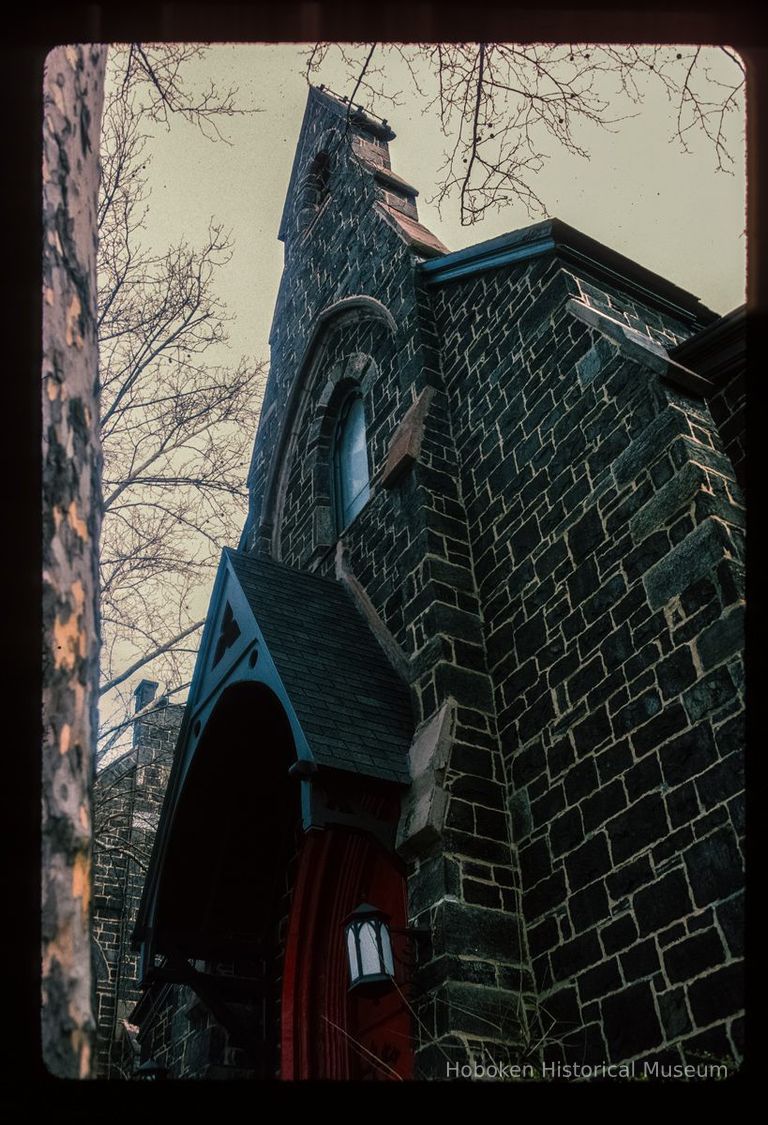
{"points": [[250, 906]]}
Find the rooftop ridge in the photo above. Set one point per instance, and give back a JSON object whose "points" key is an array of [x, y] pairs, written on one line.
{"points": [[344, 100], [553, 236]]}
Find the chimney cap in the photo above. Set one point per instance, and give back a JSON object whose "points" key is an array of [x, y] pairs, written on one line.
{"points": [[144, 692], [358, 114]]}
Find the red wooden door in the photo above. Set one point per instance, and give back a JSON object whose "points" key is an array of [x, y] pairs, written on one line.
{"points": [[326, 1031]]}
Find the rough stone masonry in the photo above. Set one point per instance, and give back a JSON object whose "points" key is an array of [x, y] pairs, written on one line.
{"points": [[551, 556]]}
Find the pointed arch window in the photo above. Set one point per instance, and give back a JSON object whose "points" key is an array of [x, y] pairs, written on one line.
{"points": [[317, 185], [314, 190], [351, 477]]}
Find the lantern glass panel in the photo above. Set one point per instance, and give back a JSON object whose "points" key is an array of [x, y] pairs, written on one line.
{"points": [[386, 945], [354, 963], [369, 950]]}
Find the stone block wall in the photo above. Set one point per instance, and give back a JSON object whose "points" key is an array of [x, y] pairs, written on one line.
{"points": [[719, 354], [728, 407], [180, 1034], [606, 528], [128, 797]]}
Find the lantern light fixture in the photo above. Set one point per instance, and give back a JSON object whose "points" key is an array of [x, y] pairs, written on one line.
{"points": [[369, 949]]}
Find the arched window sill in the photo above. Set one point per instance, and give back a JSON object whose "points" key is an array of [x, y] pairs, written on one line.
{"points": [[356, 517], [326, 546]]}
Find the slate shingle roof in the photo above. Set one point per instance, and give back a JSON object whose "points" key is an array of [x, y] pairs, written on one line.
{"points": [[353, 708]]}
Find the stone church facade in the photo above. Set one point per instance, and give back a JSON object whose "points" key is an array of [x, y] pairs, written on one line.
{"points": [[477, 660]]}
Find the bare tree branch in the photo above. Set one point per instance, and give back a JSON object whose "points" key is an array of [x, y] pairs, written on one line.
{"points": [[150, 656], [503, 107], [176, 417]]}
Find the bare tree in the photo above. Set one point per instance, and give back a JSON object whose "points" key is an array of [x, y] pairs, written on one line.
{"points": [[73, 95], [175, 422], [503, 106]]}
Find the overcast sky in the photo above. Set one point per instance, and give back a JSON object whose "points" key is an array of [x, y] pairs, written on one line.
{"points": [[637, 193]]}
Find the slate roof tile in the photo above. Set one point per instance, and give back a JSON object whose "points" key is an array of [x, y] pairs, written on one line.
{"points": [[353, 708]]}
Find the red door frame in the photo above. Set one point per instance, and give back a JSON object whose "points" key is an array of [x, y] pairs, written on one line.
{"points": [[326, 1032]]}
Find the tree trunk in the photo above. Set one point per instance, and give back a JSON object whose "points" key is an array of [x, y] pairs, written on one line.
{"points": [[73, 91]]}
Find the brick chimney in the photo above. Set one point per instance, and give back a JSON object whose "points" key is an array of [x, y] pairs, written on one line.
{"points": [[144, 694]]}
